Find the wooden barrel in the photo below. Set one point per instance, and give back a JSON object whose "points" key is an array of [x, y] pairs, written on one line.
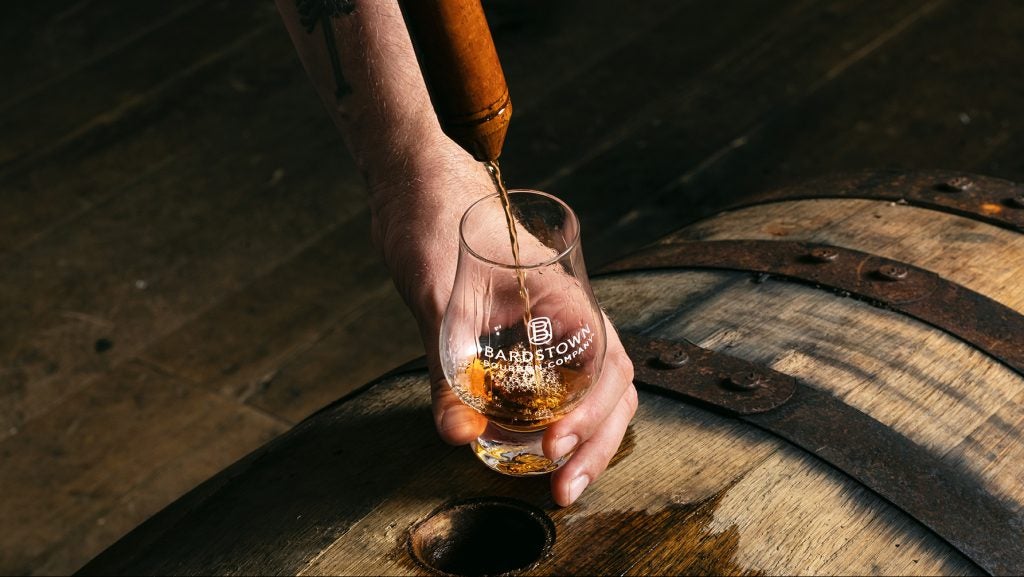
{"points": [[691, 490]]}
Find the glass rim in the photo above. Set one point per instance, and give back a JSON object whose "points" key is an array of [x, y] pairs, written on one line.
{"points": [[570, 246]]}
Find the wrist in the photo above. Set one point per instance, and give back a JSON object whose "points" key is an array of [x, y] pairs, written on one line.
{"points": [[415, 223], [431, 183]]}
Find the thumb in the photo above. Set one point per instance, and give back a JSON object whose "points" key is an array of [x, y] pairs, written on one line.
{"points": [[457, 423]]}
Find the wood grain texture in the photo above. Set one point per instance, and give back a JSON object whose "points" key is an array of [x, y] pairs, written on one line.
{"points": [[694, 492], [899, 107], [44, 347], [638, 146], [224, 229], [88, 101], [172, 137], [191, 222], [982, 257], [361, 529], [287, 346], [545, 47], [58, 38], [121, 118], [363, 344], [71, 480]]}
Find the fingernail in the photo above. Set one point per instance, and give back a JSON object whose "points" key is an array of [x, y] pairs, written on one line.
{"points": [[563, 445], [576, 487]]}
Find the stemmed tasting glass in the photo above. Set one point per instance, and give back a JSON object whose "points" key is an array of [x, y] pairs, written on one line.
{"points": [[523, 339]]}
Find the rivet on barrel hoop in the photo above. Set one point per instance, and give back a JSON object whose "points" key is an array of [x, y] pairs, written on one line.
{"points": [[824, 254], [673, 359], [893, 272], [746, 381], [1016, 201], [956, 184]]}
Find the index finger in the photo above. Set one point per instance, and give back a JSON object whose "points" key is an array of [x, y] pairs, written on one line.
{"points": [[581, 424]]}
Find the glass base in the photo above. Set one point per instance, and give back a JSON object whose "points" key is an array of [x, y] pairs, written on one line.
{"points": [[515, 453]]}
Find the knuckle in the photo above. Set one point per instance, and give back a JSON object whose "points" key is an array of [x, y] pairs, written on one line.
{"points": [[626, 372], [631, 399], [590, 415], [603, 456]]}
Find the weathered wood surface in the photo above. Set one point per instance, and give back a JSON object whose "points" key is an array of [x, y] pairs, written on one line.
{"points": [[692, 491], [125, 446], [173, 227], [882, 101], [172, 197]]}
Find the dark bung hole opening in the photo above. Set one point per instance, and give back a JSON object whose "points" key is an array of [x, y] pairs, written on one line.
{"points": [[486, 536]]}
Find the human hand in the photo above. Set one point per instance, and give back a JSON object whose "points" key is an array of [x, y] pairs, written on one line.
{"points": [[422, 250], [596, 427], [421, 183]]}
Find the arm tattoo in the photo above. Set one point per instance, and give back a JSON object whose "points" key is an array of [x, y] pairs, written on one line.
{"points": [[313, 12]]}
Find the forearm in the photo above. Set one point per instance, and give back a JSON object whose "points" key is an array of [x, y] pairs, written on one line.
{"points": [[419, 180], [365, 73]]}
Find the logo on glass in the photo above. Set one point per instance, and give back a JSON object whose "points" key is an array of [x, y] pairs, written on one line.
{"points": [[539, 331]]}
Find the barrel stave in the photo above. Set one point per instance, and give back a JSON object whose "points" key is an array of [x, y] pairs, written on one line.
{"points": [[979, 256], [692, 491]]}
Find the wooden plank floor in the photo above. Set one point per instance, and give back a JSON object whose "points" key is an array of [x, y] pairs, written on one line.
{"points": [[185, 266]]}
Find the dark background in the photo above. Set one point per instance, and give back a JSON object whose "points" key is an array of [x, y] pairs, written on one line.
{"points": [[185, 266]]}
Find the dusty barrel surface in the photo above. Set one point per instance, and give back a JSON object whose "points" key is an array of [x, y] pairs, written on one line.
{"points": [[352, 489]]}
